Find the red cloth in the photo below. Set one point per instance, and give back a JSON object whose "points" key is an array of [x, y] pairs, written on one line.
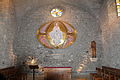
{"points": [[57, 67]]}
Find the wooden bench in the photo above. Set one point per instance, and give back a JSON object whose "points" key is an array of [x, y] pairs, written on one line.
{"points": [[13, 73], [112, 73], [106, 73]]}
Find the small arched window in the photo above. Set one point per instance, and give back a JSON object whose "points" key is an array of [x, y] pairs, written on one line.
{"points": [[93, 49], [118, 7]]}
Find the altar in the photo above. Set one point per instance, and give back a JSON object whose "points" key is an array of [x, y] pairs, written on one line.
{"points": [[57, 73]]}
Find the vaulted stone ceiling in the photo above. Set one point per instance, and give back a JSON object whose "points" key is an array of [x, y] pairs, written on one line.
{"points": [[22, 6]]}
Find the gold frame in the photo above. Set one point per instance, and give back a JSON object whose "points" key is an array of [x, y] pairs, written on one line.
{"points": [[49, 28]]}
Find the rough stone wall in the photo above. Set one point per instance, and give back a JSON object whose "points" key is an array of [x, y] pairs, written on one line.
{"points": [[7, 26], [18, 39], [22, 6], [110, 34], [76, 56]]}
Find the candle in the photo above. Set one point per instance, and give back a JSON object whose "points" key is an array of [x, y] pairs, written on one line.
{"points": [[33, 62]]}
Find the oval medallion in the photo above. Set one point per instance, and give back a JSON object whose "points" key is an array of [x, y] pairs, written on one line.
{"points": [[56, 34]]}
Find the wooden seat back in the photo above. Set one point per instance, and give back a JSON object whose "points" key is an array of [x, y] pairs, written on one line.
{"points": [[111, 73], [13, 73], [106, 73]]}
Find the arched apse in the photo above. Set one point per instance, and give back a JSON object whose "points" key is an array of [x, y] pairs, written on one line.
{"points": [[26, 44]]}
